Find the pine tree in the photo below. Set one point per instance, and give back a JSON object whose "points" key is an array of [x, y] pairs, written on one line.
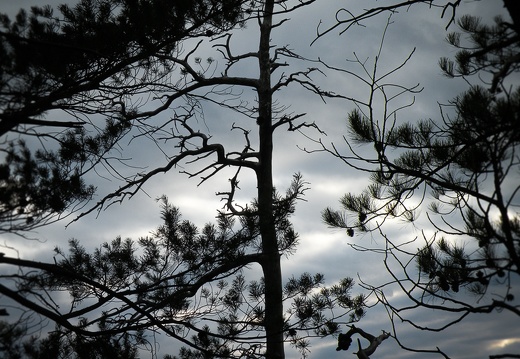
{"points": [[467, 162], [168, 288], [60, 72]]}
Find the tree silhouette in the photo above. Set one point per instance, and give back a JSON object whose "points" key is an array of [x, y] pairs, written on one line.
{"points": [[151, 83], [466, 162], [177, 282], [67, 82], [186, 282], [15, 343]]}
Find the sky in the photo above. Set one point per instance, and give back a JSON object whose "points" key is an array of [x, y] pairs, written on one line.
{"points": [[321, 249]]}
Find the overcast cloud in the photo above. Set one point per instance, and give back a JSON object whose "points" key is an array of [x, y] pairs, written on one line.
{"points": [[321, 249]]}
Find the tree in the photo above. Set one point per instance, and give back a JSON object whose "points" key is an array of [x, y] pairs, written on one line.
{"points": [[9, 335], [185, 282], [165, 283], [15, 344], [159, 97], [467, 162], [60, 74]]}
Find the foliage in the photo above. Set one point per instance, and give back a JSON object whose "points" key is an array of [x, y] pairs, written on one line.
{"points": [[130, 86], [83, 63], [34, 187], [467, 163], [140, 71], [188, 282], [15, 344], [492, 49], [9, 335], [50, 61]]}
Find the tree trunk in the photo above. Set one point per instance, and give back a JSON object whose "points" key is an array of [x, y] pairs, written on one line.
{"points": [[513, 7], [271, 256]]}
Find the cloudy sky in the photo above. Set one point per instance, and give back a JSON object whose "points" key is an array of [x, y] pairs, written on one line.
{"points": [[321, 249]]}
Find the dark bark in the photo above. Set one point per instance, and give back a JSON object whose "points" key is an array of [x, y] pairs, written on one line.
{"points": [[271, 256], [513, 7]]}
